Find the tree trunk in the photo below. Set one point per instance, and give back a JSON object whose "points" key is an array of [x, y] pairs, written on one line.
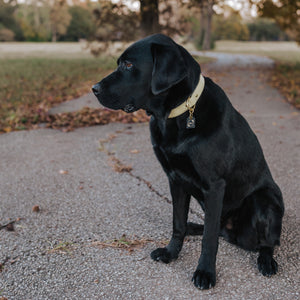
{"points": [[54, 34], [149, 17], [208, 22], [202, 23], [206, 8]]}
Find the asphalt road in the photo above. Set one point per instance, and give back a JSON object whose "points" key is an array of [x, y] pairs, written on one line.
{"points": [[69, 249]]}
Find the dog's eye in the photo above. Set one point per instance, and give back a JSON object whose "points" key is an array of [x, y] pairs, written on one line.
{"points": [[128, 65]]}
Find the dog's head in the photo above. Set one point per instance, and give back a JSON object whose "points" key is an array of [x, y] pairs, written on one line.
{"points": [[146, 73]]}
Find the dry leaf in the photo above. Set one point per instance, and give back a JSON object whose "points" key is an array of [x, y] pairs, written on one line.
{"points": [[124, 243], [134, 151], [7, 129], [10, 227], [63, 172], [35, 208]]}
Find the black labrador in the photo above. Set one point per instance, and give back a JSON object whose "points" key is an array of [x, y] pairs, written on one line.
{"points": [[207, 150]]}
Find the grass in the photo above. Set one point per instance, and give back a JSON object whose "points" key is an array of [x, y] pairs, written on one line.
{"points": [[30, 86], [36, 76], [62, 248]]}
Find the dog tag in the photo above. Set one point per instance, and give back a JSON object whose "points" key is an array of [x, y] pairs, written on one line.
{"points": [[190, 123]]}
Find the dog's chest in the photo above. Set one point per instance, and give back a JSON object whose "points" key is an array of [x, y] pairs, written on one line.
{"points": [[174, 156]]}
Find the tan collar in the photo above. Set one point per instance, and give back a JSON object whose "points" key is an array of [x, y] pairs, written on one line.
{"points": [[190, 102]]}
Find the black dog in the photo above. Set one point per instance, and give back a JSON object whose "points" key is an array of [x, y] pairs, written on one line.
{"points": [[207, 150]]}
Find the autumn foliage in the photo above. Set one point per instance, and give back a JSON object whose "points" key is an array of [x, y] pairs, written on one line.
{"points": [[286, 78], [88, 117]]}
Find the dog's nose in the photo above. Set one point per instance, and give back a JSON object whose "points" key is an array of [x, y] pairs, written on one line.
{"points": [[96, 88]]}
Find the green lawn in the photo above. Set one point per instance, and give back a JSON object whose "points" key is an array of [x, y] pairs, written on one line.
{"points": [[30, 86], [36, 76]]}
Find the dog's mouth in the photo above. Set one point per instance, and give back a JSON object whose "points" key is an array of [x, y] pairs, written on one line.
{"points": [[129, 108]]}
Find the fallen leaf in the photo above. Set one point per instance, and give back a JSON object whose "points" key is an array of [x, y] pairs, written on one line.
{"points": [[7, 129], [35, 208], [10, 227], [63, 172], [124, 243], [119, 167], [134, 151]]}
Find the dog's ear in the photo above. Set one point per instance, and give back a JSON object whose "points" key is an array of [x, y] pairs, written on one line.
{"points": [[168, 67]]}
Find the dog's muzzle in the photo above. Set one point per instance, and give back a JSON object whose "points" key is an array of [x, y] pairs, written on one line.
{"points": [[129, 108], [96, 89]]}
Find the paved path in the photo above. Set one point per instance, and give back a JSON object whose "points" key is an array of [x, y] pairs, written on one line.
{"points": [[56, 254]]}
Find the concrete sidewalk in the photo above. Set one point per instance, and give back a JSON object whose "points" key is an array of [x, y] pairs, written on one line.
{"points": [[61, 251]]}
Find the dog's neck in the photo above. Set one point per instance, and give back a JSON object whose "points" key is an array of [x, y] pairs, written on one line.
{"points": [[189, 104]]}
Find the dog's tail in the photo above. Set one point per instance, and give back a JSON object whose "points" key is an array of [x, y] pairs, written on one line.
{"points": [[194, 229]]}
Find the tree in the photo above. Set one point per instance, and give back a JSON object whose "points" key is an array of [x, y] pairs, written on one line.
{"points": [[286, 13], [229, 26], [33, 18], [7, 20], [263, 29], [6, 35], [149, 17], [59, 18], [206, 14], [115, 22], [82, 25]]}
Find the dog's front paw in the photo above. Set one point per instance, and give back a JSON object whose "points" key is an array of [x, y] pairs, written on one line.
{"points": [[162, 254], [267, 265], [204, 280]]}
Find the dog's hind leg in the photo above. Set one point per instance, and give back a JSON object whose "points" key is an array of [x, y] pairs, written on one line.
{"points": [[269, 213], [257, 226], [181, 203], [194, 229], [267, 265]]}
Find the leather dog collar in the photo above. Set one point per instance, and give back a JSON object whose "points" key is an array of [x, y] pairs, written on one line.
{"points": [[190, 102]]}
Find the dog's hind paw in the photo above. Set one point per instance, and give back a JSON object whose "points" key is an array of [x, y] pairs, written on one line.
{"points": [[267, 265], [162, 254], [204, 280]]}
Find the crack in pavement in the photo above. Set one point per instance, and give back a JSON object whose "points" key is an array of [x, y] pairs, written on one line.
{"points": [[120, 167]]}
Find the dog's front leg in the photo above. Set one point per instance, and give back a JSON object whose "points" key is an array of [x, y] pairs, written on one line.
{"points": [[205, 274], [181, 203]]}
